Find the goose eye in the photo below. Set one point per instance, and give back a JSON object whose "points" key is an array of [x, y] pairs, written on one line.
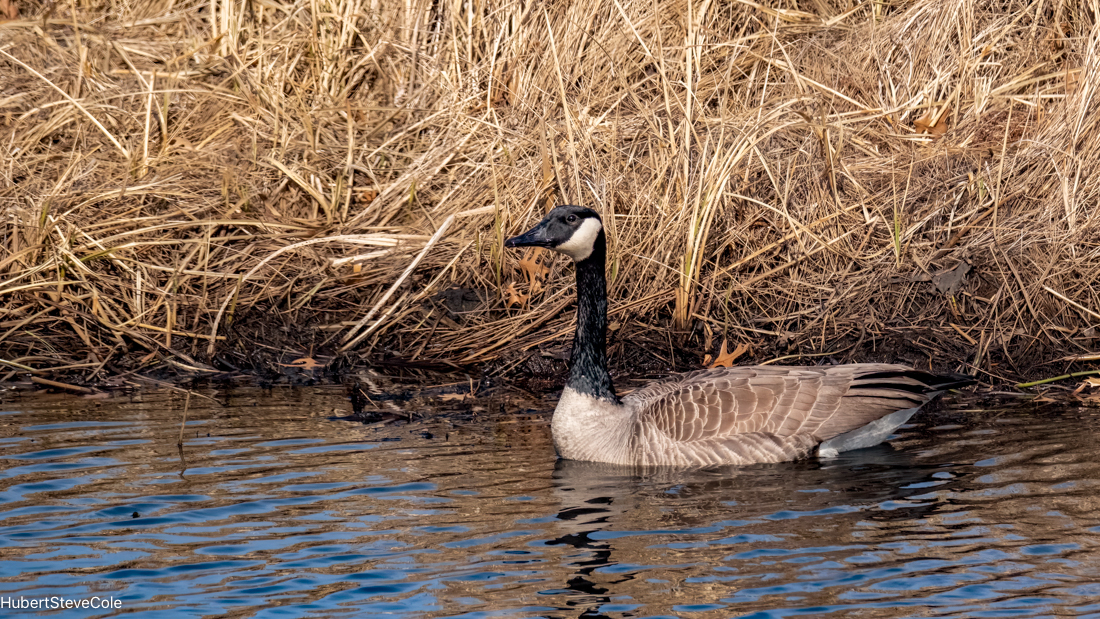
{"points": [[571, 219]]}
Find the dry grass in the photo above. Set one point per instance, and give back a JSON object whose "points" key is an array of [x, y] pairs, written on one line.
{"points": [[240, 184]]}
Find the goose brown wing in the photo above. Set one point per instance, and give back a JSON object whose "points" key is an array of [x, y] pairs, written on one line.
{"points": [[816, 402]]}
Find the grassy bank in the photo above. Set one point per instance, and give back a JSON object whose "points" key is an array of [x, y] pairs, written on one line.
{"points": [[195, 185]]}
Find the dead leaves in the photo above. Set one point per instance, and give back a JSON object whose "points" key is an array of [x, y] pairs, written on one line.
{"points": [[1087, 392], [514, 297], [931, 125], [533, 266], [948, 281], [304, 363], [725, 359], [534, 269], [1091, 382], [1073, 79]]}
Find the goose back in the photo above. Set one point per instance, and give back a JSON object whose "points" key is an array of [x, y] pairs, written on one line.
{"points": [[772, 413]]}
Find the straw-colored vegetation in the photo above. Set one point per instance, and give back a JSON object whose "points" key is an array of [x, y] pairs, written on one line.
{"points": [[240, 184]]}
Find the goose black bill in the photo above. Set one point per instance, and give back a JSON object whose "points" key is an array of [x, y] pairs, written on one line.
{"points": [[535, 237]]}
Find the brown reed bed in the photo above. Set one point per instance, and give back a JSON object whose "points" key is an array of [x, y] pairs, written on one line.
{"points": [[211, 186]]}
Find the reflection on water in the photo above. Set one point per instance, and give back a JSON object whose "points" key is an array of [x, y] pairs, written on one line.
{"points": [[280, 509]]}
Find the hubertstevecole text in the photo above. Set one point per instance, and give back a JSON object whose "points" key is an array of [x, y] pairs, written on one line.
{"points": [[58, 602]]}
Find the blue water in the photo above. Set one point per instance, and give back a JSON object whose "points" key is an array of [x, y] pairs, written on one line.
{"points": [[275, 509]]}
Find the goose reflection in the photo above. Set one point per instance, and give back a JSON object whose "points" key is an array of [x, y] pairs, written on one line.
{"points": [[620, 517]]}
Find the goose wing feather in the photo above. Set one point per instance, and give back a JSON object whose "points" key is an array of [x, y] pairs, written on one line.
{"points": [[772, 409]]}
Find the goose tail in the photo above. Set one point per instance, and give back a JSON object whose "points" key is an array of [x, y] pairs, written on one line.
{"points": [[914, 381]]}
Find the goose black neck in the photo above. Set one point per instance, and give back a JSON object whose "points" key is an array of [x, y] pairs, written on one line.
{"points": [[588, 372]]}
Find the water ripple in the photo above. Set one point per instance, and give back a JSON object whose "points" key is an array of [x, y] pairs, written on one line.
{"points": [[273, 510]]}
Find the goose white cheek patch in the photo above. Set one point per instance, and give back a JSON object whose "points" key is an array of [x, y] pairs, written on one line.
{"points": [[579, 246]]}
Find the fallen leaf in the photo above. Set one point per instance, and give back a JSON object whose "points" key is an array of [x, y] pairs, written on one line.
{"points": [[9, 9], [1073, 80], [948, 281], [725, 359], [924, 124], [305, 363], [366, 196], [1088, 383], [514, 297], [532, 267]]}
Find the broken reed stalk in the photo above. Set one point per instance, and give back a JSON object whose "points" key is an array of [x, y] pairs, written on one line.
{"points": [[747, 159], [1053, 379], [350, 338], [60, 385], [346, 238]]}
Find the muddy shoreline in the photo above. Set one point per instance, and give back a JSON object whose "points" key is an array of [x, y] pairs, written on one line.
{"points": [[635, 358]]}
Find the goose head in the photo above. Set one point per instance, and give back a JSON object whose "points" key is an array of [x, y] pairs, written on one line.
{"points": [[570, 230]]}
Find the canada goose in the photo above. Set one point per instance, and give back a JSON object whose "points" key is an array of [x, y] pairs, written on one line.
{"points": [[739, 415]]}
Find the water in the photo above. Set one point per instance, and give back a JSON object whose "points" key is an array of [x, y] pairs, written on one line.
{"points": [[277, 509]]}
